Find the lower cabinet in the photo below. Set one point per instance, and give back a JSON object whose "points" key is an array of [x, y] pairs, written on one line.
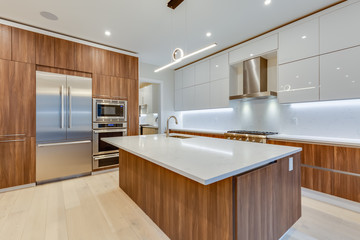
{"points": [[17, 161], [277, 191], [329, 169]]}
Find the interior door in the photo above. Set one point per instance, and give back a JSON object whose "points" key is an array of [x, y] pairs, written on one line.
{"points": [[50, 107], [79, 116]]}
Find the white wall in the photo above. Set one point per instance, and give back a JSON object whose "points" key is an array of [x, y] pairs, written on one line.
{"points": [[327, 119], [166, 77]]}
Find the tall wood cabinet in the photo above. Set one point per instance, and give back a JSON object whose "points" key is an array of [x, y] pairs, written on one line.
{"points": [[5, 42], [23, 46]]}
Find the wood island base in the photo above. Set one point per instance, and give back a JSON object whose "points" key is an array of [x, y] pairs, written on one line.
{"points": [[260, 204]]}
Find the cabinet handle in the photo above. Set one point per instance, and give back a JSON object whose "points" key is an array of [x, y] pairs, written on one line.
{"points": [[70, 106], [63, 143], [16, 140], [62, 107]]}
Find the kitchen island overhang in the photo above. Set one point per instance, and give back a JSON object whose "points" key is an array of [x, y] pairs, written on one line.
{"points": [[204, 188]]}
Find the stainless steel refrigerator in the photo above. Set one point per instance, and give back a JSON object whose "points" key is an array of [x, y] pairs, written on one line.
{"points": [[63, 126]]}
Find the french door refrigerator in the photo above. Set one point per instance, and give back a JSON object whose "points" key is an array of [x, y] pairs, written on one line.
{"points": [[63, 126]]}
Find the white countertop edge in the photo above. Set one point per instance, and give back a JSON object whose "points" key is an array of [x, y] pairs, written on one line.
{"points": [[211, 180], [321, 140]]}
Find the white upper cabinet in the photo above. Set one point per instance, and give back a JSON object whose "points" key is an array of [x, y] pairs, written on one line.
{"points": [[340, 75], [219, 67], [178, 79], [301, 41], [299, 81], [178, 100], [219, 93], [189, 76], [202, 72], [254, 49], [339, 29], [202, 96], [188, 98]]}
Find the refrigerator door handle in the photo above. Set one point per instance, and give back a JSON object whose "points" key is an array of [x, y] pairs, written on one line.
{"points": [[62, 143], [62, 106], [69, 94]]}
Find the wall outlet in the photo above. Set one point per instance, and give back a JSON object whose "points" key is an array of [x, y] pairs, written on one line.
{"points": [[291, 164]]}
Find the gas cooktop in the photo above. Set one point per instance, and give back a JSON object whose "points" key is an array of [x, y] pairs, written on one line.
{"points": [[252, 132]]}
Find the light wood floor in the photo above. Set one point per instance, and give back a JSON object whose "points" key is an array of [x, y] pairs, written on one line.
{"points": [[95, 207]]}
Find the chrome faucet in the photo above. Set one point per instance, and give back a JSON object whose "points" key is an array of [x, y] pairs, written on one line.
{"points": [[167, 124]]}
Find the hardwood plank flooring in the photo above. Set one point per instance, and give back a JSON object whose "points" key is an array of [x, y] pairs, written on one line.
{"points": [[95, 208]]}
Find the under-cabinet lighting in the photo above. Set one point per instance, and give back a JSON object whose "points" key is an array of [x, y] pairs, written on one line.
{"points": [[338, 103], [216, 110], [186, 56]]}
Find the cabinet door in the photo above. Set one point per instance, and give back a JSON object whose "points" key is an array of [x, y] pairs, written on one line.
{"points": [[202, 96], [254, 49], [178, 100], [132, 67], [118, 64], [17, 162], [64, 54], [119, 87], [338, 29], [23, 46], [219, 67], [45, 50], [12, 107], [101, 61], [219, 93], [101, 87], [133, 107], [301, 41], [299, 81], [178, 79], [188, 98], [188, 77], [5, 42], [202, 72], [340, 75], [83, 58]]}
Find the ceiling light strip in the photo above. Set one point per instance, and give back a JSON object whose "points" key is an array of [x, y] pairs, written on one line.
{"points": [[187, 56]]}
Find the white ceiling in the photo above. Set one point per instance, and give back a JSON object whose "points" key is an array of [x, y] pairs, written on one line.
{"points": [[153, 30]]}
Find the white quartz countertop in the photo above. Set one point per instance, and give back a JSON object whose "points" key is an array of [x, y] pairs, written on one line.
{"points": [[321, 140], [204, 160]]}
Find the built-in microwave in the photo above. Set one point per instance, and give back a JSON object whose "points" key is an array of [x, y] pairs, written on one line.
{"points": [[106, 110]]}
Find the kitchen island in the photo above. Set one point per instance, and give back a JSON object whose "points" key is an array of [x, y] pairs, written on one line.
{"points": [[206, 188]]}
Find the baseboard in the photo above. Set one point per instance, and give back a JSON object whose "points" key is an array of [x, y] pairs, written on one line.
{"points": [[17, 187], [330, 199]]}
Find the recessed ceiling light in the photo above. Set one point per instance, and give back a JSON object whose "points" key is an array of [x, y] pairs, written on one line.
{"points": [[303, 37], [107, 33], [267, 2], [49, 15], [208, 34]]}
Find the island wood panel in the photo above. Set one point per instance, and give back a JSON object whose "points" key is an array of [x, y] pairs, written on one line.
{"points": [[64, 54], [347, 159], [254, 204], [63, 71], [45, 50], [119, 87], [182, 208], [287, 192], [133, 107], [5, 42], [347, 186], [17, 161], [83, 57], [101, 86], [213, 135], [23, 46]]}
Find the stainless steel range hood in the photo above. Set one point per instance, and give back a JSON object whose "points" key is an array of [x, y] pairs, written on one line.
{"points": [[255, 83]]}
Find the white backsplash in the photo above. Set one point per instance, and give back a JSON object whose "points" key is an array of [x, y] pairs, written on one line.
{"points": [[325, 119], [149, 118]]}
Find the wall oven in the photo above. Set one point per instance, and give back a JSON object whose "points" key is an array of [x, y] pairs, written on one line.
{"points": [[107, 110], [106, 130]]}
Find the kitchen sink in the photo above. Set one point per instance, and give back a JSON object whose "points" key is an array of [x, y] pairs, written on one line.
{"points": [[179, 136]]}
